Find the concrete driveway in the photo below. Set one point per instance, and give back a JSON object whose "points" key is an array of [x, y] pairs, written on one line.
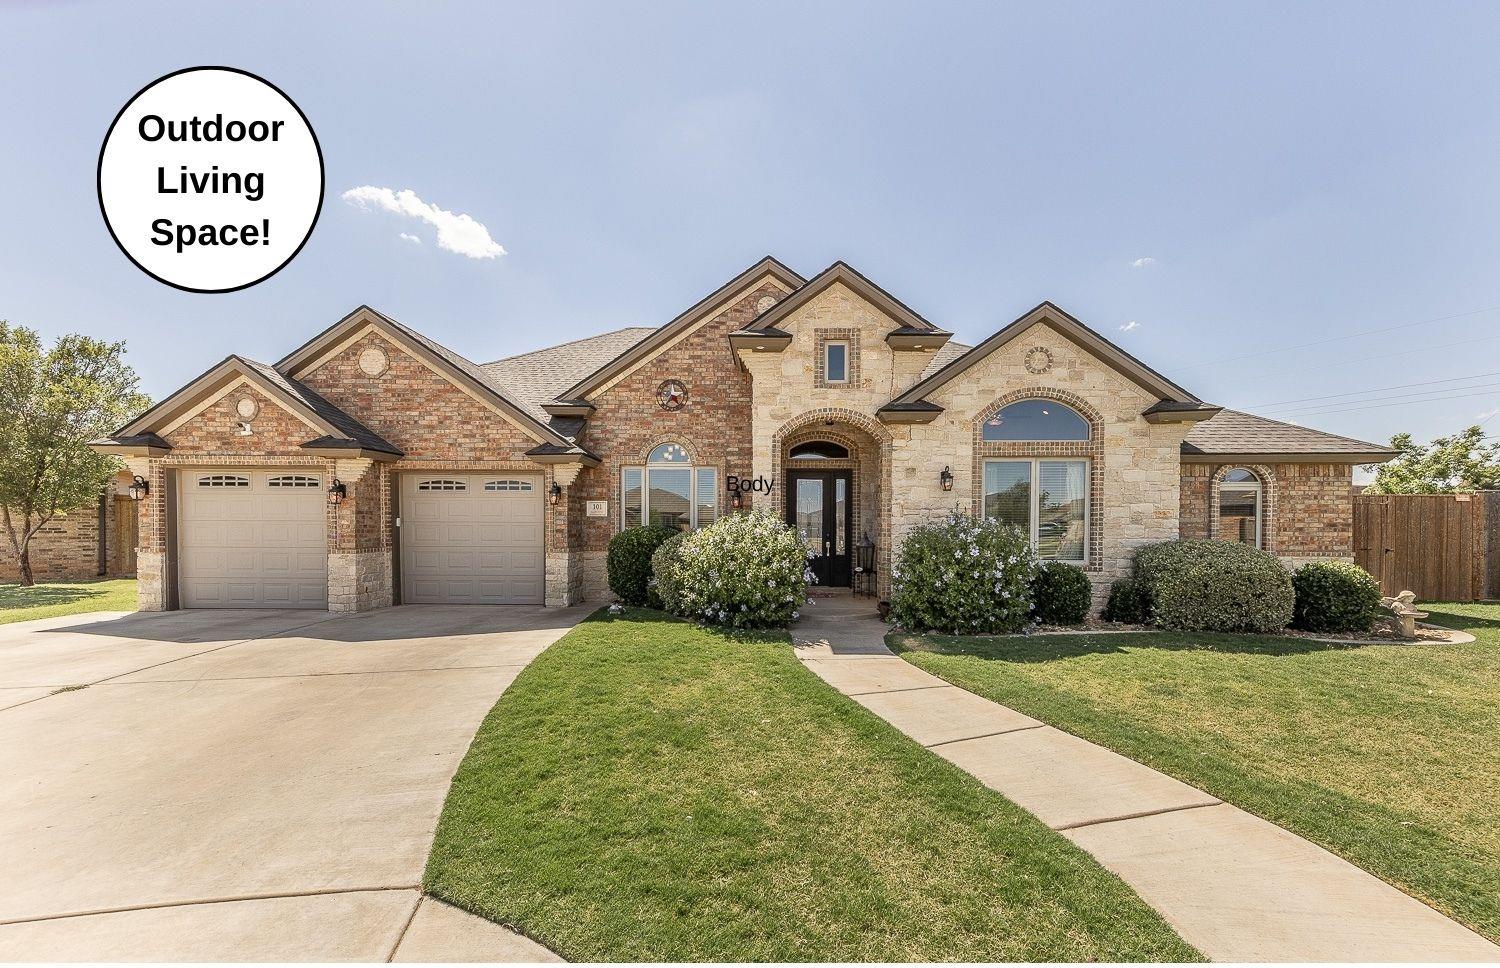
{"points": [[244, 785]]}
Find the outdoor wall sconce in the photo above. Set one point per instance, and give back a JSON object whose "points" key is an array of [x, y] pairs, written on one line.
{"points": [[554, 493], [735, 501], [139, 488], [946, 478], [337, 492]]}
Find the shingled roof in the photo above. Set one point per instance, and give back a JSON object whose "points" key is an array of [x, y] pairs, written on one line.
{"points": [[1234, 434], [348, 428], [537, 377]]}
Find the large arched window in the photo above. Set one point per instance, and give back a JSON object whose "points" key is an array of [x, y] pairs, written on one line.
{"points": [[1036, 420], [668, 490], [1240, 503], [819, 450]]}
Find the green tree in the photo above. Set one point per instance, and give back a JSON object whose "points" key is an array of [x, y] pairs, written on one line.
{"points": [[1460, 463], [53, 401]]}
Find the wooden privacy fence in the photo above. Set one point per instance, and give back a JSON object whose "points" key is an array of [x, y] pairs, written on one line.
{"points": [[1443, 547]]}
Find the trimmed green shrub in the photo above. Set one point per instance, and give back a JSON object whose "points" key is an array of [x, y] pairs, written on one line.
{"points": [[965, 576], [628, 563], [1060, 594], [1129, 602], [1334, 596], [743, 571], [1215, 586], [666, 577]]}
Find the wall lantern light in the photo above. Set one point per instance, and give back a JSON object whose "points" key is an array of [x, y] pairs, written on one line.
{"points": [[735, 501], [139, 488], [946, 478], [337, 492], [554, 493]]}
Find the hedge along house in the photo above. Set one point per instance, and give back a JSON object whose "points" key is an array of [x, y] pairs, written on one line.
{"points": [[372, 466]]}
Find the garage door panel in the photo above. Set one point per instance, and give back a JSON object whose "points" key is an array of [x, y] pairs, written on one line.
{"points": [[487, 547], [254, 544]]}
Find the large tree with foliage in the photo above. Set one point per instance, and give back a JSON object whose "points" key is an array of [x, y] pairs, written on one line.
{"points": [[53, 401], [1457, 464]]}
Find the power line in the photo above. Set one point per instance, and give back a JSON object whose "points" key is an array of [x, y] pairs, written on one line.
{"points": [[1379, 406], [1336, 339], [1416, 397], [1383, 356], [1398, 386]]}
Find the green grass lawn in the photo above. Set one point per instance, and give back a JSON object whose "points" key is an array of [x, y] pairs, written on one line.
{"points": [[649, 790], [1387, 755], [46, 599]]}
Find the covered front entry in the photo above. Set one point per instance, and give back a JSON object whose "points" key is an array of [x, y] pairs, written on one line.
{"points": [[818, 507], [252, 538], [472, 539]]}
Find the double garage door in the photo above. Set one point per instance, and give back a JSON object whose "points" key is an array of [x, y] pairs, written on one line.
{"points": [[257, 538], [251, 538], [472, 539]]}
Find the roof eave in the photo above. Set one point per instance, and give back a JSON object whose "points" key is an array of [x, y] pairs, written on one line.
{"points": [[911, 413], [569, 408], [1171, 411], [897, 340], [1194, 456], [760, 341]]}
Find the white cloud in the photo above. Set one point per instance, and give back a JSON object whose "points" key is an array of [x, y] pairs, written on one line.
{"points": [[410, 238], [456, 232], [1127, 327], [1143, 262], [1487, 414]]}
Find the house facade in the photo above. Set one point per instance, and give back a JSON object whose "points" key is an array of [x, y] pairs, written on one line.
{"points": [[372, 466]]}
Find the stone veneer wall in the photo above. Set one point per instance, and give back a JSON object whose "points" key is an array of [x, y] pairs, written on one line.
{"points": [[714, 425], [1308, 508]]}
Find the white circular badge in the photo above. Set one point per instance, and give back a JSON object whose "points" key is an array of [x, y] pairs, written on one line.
{"points": [[210, 179]]}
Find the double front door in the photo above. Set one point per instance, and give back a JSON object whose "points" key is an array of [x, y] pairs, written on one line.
{"points": [[817, 506]]}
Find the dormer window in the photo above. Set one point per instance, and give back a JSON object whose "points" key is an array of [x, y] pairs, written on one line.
{"points": [[836, 361]]}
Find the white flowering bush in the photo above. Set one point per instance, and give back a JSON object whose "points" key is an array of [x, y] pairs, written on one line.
{"points": [[966, 576], [742, 571]]}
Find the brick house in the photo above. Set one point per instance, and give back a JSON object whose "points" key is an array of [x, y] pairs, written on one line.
{"points": [[373, 466], [97, 540]]}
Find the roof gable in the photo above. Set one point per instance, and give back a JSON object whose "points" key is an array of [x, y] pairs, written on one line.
{"points": [[668, 333], [840, 272], [456, 368], [329, 425], [1075, 331]]}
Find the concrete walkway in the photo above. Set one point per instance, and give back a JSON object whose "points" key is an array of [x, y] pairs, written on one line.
{"points": [[1234, 886], [245, 785]]}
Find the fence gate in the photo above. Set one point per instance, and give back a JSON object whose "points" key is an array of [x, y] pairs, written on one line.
{"points": [[1443, 547]]}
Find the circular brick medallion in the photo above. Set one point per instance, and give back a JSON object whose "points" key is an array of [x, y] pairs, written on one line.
{"points": [[373, 361], [1038, 360], [764, 303], [246, 407]]}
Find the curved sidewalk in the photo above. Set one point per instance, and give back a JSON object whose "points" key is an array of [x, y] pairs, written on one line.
{"points": [[1234, 886]]}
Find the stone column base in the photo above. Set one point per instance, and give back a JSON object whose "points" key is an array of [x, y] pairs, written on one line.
{"points": [[359, 580], [151, 581]]}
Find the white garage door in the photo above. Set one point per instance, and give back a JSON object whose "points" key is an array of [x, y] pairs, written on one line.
{"points": [[472, 539], [252, 538]]}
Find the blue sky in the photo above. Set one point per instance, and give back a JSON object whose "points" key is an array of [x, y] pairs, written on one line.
{"points": [[1295, 174]]}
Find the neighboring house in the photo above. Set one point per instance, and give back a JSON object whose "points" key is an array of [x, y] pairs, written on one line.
{"points": [[97, 540], [827, 400]]}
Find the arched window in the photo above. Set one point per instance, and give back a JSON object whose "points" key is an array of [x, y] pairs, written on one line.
{"points": [[1240, 502], [819, 450], [1036, 420], [669, 491]]}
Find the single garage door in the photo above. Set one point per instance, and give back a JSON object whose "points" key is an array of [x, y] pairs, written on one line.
{"points": [[252, 538], [472, 539]]}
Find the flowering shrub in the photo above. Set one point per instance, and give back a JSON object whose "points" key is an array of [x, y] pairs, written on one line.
{"points": [[1061, 594], [666, 579], [743, 571], [965, 576], [628, 563]]}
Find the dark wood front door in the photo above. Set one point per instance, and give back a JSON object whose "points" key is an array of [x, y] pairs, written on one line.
{"points": [[817, 506]]}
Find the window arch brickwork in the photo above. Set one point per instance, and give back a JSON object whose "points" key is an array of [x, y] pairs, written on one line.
{"points": [[1267, 478], [1093, 449]]}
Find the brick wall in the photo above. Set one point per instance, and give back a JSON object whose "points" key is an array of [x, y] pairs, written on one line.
{"points": [[65, 549], [1307, 509], [714, 425]]}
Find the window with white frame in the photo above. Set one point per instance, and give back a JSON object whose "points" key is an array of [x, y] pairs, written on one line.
{"points": [[836, 361], [1047, 499], [669, 491], [1240, 515]]}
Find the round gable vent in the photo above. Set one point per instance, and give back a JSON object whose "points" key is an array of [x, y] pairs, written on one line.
{"points": [[764, 303], [246, 407], [373, 361]]}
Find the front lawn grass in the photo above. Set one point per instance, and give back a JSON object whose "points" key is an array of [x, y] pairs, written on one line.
{"points": [[649, 790], [1388, 755], [47, 599]]}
